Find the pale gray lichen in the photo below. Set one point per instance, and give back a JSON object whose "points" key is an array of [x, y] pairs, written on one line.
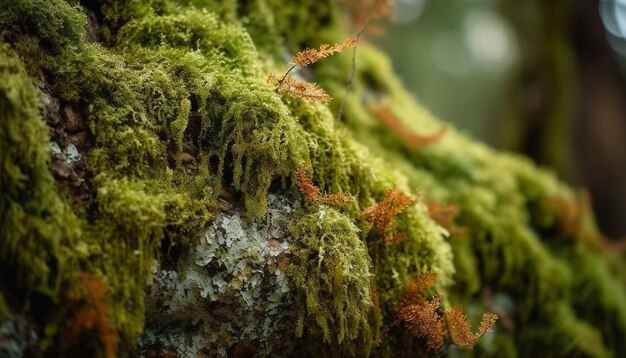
{"points": [[70, 155], [230, 290], [16, 336]]}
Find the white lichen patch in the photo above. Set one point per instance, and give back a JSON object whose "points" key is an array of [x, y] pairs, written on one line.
{"points": [[70, 154], [16, 336], [231, 289]]}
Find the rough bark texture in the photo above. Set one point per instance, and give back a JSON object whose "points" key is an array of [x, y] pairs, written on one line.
{"points": [[149, 204]]}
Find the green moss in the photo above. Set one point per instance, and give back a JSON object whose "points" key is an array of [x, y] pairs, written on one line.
{"points": [[179, 125], [193, 30], [37, 225], [56, 23], [192, 74], [502, 200], [331, 273], [130, 228], [564, 334], [600, 298]]}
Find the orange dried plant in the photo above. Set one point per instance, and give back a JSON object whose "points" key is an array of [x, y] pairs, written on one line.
{"points": [[444, 216], [383, 213], [385, 114], [573, 212], [311, 55], [415, 289], [420, 316], [460, 329], [311, 192], [96, 314], [426, 319], [308, 91], [304, 90]]}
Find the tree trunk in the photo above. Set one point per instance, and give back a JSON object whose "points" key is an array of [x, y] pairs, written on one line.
{"points": [[161, 198]]}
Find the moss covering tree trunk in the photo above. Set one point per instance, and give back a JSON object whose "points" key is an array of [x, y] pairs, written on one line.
{"points": [[150, 206]]}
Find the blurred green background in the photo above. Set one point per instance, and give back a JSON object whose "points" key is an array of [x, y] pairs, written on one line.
{"points": [[544, 78], [457, 56]]}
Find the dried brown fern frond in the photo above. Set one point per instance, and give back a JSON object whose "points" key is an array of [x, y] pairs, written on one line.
{"points": [[444, 216], [424, 321], [385, 114], [311, 55], [415, 289], [305, 183], [427, 320], [336, 199], [304, 90], [420, 316], [460, 329], [382, 214], [95, 314], [311, 192]]}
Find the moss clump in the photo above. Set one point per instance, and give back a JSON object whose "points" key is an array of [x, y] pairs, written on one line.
{"points": [[179, 125], [600, 298], [176, 107], [38, 227], [331, 273]]}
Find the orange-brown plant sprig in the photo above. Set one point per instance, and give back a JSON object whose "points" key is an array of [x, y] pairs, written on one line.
{"points": [[426, 319], [311, 55], [415, 289], [308, 91], [95, 314], [444, 216], [412, 140], [460, 329], [420, 316], [383, 213], [304, 90], [311, 192]]}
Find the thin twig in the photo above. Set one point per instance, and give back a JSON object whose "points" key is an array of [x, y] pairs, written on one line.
{"points": [[287, 73], [353, 71]]}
